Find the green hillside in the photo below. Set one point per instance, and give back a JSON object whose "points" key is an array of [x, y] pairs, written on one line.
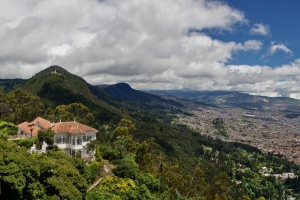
{"points": [[7, 85], [56, 86], [57, 78], [153, 158]]}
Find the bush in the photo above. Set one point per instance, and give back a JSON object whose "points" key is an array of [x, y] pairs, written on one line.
{"points": [[126, 168], [99, 194], [125, 188], [151, 183], [8, 128], [108, 153], [93, 170], [27, 143]]}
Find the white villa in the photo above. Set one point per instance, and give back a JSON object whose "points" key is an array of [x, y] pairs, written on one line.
{"points": [[70, 136]]}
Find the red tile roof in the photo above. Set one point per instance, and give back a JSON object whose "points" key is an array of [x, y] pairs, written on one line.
{"points": [[60, 127], [26, 127], [72, 128], [45, 124]]}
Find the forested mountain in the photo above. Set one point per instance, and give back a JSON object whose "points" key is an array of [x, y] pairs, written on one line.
{"points": [[56, 80], [9, 84], [124, 91], [153, 158], [56, 86]]}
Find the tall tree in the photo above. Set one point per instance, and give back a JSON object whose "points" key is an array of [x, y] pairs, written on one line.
{"points": [[47, 136], [24, 105], [74, 111], [124, 128], [4, 110], [80, 112], [2, 97]]}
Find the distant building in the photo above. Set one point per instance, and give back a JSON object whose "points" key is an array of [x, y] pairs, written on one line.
{"points": [[288, 175], [69, 136], [264, 170], [54, 72]]}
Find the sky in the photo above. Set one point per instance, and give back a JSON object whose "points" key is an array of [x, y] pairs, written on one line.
{"points": [[247, 46]]}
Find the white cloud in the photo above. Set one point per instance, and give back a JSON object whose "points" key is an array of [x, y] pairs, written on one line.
{"points": [[260, 29], [119, 38], [147, 43], [275, 47], [59, 50], [253, 45]]}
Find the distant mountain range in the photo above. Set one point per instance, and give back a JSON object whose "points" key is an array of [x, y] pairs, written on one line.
{"points": [[234, 99], [56, 86], [71, 88]]}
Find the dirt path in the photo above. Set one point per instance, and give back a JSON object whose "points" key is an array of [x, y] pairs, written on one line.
{"points": [[107, 172]]}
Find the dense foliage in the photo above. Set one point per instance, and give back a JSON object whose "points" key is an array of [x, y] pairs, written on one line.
{"points": [[40, 176], [7, 129], [153, 159]]}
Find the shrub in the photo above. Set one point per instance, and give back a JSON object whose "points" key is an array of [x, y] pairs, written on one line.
{"points": [[27, 143], [126, 168]]}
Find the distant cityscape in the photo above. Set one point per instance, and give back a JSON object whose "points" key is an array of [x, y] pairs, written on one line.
{"points": [[271, 131]]}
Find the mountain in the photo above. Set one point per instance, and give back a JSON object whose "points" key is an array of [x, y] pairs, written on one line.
{"points": [[57, 78], [9, 84], [56, 86], [235, 99], [125, 92]]}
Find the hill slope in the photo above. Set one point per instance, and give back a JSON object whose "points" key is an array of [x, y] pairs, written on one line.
{"points": [[56, 77], [57, 86], [124, 91], [9, 84]]}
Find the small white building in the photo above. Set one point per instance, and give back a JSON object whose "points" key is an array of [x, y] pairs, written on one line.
{"points": [[72, 137]]}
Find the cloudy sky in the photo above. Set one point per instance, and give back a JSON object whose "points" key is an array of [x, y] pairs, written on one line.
{"points": [[249, 46]]}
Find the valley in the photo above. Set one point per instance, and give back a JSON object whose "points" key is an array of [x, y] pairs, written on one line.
{"points": [[272, 129]]}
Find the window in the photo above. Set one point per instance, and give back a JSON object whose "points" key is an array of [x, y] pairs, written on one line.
{"points": [[73, 141], [84, 138], [79, 140], [57, 141]]}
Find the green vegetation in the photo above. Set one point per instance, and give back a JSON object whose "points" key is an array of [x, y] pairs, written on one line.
{"points": [[27, 143], [24, 106], [152, 158], [45, 136], [218, 123], [7, 129], [38, 176]]}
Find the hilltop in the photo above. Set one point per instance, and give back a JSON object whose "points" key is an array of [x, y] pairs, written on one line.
{"points": [[55, 79], [56, 86]]}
